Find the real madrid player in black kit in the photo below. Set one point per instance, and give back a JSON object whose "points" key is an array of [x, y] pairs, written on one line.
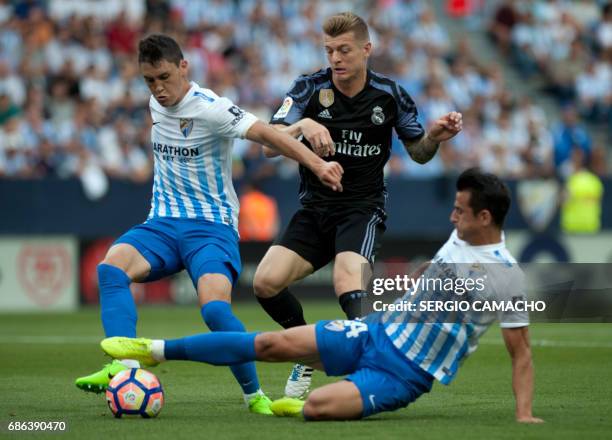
{"points": [[348, 112]]}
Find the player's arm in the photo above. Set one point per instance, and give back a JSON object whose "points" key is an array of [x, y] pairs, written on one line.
{"points": [[293, 130], [423, 149], [330, 173], [517, 344], [422, 146], [316, 134]]}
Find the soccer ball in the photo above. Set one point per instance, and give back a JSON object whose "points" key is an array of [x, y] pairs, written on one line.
{"points": [[135, 392]]}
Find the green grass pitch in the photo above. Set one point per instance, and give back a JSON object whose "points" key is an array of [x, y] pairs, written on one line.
{"points": [[40, 356]]}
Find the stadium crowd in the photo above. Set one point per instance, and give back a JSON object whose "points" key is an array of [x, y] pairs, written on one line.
{"points": [[567, 46], [72, 101]]}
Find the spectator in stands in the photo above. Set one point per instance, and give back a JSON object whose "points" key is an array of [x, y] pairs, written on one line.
{"points": [[594, 90], [505, 18], [61, 59], [604, 30], [581, 209], [16, 155], [568, 135], [562, 73], [8, 109], [570, 44], [12, 84]]}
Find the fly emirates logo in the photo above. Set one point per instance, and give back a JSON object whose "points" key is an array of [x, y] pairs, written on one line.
{"points": [[350, 145]]}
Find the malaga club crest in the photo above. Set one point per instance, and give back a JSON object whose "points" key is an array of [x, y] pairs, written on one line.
{"points": [[335, 326], [186, 126], [538, 201]]}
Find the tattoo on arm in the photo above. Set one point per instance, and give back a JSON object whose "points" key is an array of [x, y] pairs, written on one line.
{"points": [[423, 150]]}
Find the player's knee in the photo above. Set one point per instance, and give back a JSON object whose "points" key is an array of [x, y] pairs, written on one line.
{"points": [[346, 282], [348, 276], [316, 407], [129, 260], [270, 346], [115, 261], [265, 284], [118, 256], [324, 405]]}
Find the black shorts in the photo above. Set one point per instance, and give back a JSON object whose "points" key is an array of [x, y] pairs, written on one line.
{"points": [[318, 235]]}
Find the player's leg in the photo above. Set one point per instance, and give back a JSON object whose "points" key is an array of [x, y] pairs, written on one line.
{"points": [[351, 275], [214, 293], [211, 256], [121, 265], [298, 344], [143, 253], [303, 248], [366, 392], [382, 378], [335, 401], [279, 268], [337, 347], [358, 236]]}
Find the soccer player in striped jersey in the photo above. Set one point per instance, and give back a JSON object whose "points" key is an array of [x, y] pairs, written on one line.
{"points": [[390, 358], [193, 219]]}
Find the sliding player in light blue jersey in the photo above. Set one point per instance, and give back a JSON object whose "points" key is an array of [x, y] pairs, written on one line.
{"points": [[390, 358], [193, 221]]}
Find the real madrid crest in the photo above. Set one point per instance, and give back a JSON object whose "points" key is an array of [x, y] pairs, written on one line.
{"points": [[378, 117], [186, 126], [326, 97]]}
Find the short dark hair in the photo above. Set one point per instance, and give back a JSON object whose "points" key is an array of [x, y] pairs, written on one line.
{"points": [[487, 191], [157, 47]]}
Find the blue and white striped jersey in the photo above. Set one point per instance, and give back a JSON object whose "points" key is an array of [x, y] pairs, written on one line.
{"points": [[439, 341], [192, 150]]}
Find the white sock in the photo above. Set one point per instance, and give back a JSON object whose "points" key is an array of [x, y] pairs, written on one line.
{"points": [[130, 363], [248, 397], [157, 350]]}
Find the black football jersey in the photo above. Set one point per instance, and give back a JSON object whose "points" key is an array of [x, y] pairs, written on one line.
{"points": [[361, 128]]}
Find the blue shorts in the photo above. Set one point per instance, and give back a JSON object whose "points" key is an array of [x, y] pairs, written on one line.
{"points": [[173, 244], [386, 379]]}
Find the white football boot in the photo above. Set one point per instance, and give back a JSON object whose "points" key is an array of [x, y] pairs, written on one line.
{"points": [[299, 381]]}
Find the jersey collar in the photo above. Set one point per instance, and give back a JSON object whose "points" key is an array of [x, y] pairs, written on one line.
{"points": [[178, 105], [365, 87]]}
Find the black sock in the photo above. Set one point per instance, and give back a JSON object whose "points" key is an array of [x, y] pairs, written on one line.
{"points": [[284, 308], [351, 303]]}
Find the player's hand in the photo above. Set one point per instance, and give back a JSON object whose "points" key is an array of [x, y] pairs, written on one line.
{"points": [[330, 173], [446, 127], [318, 137], [529, 419]]}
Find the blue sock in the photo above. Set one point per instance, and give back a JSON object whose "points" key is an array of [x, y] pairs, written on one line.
{"points": [[219, 348], [218, 316], [117, 306]]}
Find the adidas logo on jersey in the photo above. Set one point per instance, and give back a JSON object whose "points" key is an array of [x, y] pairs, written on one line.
{"points": [[325, 114]]}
